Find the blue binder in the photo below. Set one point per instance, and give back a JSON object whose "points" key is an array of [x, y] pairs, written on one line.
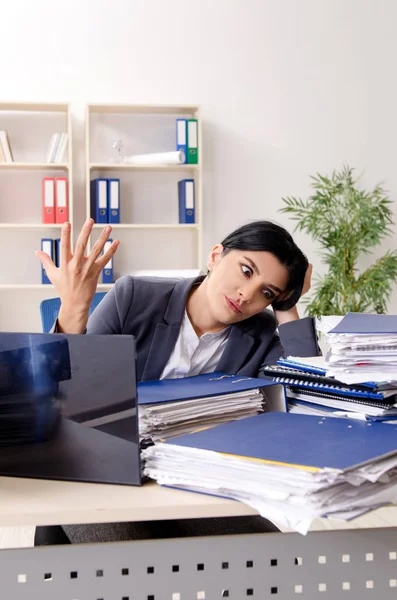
{"points": [[336, 390], [47, 246], [113, 200], [366, 323], [186, 197], [294, 364], [57, 252], [99, 200], [107, 271], [200, 386], [181, 136], [298, 440]]}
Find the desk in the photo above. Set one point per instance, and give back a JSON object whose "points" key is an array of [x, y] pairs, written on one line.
{"points": [[31, 502], [359, 556]]}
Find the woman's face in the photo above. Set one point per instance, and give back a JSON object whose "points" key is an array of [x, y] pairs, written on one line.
{"points": [[243, 283]]}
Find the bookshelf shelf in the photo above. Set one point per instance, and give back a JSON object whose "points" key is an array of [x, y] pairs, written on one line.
{"points": [[148, 226], [34, 106], [151, 236], [25, 286], [29, 226], [32, 166], [144, 109], [126, 167]]}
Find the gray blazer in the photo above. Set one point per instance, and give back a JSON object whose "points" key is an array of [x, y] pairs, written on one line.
{"points": [[151, 309]]}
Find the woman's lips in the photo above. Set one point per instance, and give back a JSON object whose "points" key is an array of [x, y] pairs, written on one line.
{"points": [[234, 307]]}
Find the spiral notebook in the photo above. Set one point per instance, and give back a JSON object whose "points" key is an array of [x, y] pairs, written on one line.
{"points": [[304, 385]]}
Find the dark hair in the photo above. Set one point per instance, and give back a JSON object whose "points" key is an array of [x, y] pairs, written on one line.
{"points": [[265, 236]]}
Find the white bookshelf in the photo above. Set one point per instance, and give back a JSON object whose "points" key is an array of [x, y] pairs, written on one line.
{"points": [[150, 233], [29, 128]]}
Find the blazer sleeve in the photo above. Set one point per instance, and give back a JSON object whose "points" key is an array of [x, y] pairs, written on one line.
{"points": [[296, 338], [110, 315]]}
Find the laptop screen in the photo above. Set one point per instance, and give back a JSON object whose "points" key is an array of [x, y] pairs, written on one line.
{"points": [[68, 407]]}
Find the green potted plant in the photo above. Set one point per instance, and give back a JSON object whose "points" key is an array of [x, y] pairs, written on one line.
{"points": [[347, 222]]}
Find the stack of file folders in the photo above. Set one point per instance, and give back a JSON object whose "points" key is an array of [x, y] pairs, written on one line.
{"points": [[310, 390], [363, 347], [172, 407], [290, 468]]}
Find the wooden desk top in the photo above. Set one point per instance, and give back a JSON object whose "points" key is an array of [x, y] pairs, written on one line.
{"points": [[30, 502]]}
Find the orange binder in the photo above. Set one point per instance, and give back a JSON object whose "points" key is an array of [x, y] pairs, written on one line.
{"points": [[61, 200], [48, 200]]}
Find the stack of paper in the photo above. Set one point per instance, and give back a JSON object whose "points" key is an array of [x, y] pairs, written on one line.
{"points": [[363, 348], [172, 407], [311, 390], [291, 468]]}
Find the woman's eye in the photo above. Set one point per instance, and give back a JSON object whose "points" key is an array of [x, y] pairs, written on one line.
{"points": [[246, 270], [268, 294]]}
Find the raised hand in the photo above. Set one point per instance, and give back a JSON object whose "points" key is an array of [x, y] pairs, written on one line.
{"points": [[77, 276]]}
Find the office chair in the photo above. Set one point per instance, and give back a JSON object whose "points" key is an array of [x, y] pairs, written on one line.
{"points": [[49, 310]]}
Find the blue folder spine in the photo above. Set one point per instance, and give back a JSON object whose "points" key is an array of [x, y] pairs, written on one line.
{"points": [[47, 246], [107, 271], [57, 252], [114, 200], [186, 197], [99, 200], [181, 136]]}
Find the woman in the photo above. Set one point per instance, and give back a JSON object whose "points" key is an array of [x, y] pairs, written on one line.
{"points": [[191, 326], [255, 267]]}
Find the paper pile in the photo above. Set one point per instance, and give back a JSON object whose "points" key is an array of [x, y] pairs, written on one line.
{"points": [[363, 348], [164, 420], [291, 468], [172, 407]]}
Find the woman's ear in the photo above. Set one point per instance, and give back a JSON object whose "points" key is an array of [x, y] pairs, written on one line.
{"points": [[214, 256]]}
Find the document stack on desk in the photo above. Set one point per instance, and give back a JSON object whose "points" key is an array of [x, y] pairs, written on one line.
{"points": [[290, 468], [363, 347], [172, 407], [311, 390]]}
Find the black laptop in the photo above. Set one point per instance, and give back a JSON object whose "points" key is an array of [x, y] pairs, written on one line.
{"points": [[68, 407]]}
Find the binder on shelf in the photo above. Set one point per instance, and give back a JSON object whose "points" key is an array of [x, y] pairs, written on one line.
{"points": [[61, 147], [48, 200], [114, 200], [99, 200], [186, 196], [52, 147], [47, 246], [6, 146], [57, 252], [192, 142], [107, 271], [61, 200], [2, 155], [181, 136]]}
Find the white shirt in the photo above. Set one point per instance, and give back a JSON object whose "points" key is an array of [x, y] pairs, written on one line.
{"points": [[193, 355]]}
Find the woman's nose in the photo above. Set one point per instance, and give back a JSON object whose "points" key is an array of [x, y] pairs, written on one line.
{"points": [[247, 293]]}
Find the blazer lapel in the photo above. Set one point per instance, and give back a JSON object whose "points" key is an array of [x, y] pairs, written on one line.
{"points": [[163, 342], [237, 348], [166, 334]]}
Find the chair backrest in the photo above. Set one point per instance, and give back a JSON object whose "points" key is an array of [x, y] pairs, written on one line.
{"points": [[49, 310]]}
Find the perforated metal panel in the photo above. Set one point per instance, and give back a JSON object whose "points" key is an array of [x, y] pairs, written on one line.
{"points": [[352, 565]]}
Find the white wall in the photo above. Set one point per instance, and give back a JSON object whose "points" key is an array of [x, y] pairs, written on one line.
{"points": [[287, 87]]}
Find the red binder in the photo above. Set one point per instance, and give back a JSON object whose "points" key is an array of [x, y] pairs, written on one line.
{"points": [[48, 200], [61, 200]]}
